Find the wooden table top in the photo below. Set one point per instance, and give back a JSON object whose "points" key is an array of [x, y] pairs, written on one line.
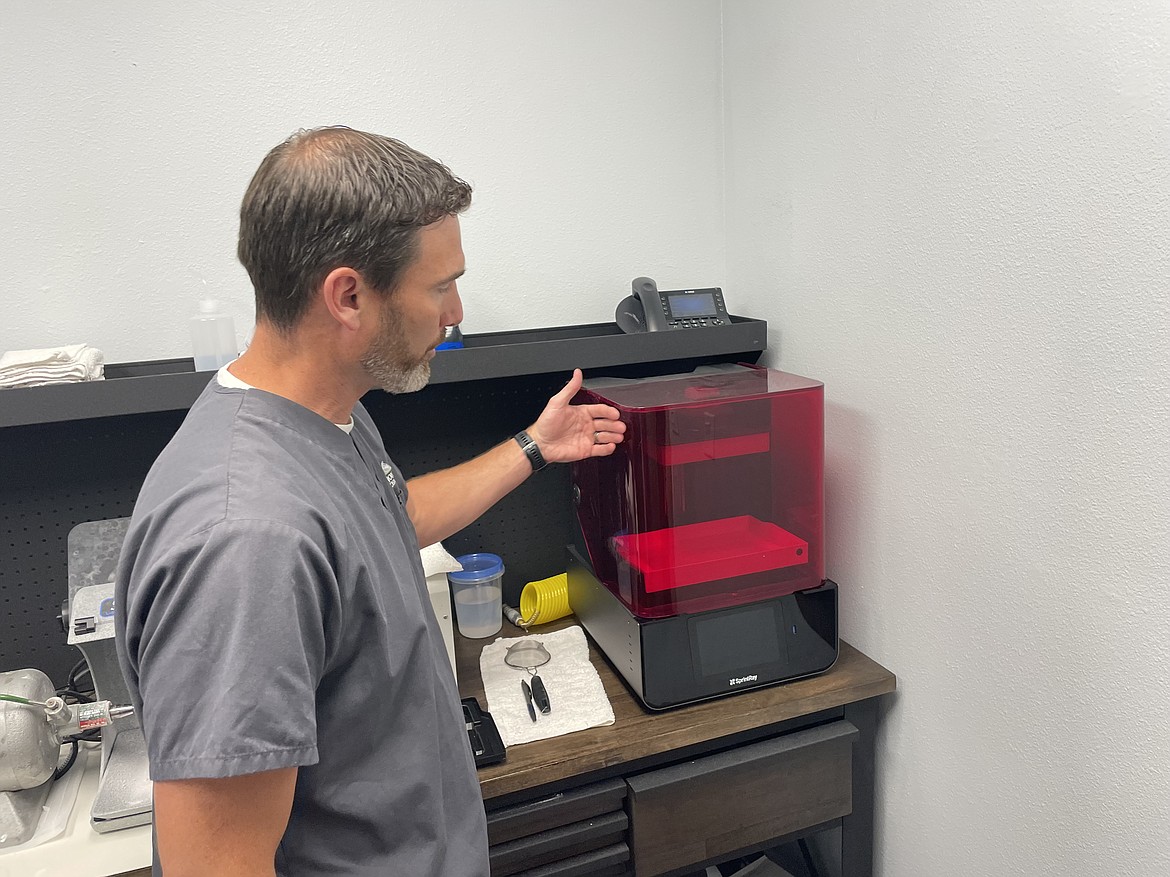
{"points": [[639, 733]]}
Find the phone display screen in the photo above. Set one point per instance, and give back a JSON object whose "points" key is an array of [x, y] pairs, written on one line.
{"points": [[699, 304]]}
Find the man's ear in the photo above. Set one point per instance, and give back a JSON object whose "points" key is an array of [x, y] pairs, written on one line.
{"points": [[345, 294]]}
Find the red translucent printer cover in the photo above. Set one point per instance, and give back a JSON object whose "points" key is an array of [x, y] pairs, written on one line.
{"points": [[716, 496]]}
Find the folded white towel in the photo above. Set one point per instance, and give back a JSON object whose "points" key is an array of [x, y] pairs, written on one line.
{"points": [[51, 365], [575, 691]]}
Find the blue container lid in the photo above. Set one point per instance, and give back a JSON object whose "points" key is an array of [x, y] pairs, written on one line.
{"points": [[477, 568]]}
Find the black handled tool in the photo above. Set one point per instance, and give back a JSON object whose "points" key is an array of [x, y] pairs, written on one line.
{"points": [[540, 695], [529, 654]]}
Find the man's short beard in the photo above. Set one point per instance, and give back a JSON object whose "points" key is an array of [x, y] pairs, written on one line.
{"points": [[389, 361], [394, 377]]}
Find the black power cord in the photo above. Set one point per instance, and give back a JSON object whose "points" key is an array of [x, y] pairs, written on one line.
{"points": [[63, 769], [74, 685], [77, 690]]}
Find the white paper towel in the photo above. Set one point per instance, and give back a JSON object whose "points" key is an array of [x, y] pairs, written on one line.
{"points": [[575, 691], [436, 559]]}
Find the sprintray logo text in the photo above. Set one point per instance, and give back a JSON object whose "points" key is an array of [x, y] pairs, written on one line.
{"points": [[740, 680]]}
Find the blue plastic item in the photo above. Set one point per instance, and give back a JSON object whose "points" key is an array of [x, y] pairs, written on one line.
{"points": [[453, 339], [477, 568]]}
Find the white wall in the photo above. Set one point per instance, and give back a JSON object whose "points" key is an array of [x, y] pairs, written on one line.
{"points": [[957, 215], [590, 131], [953, 214]]}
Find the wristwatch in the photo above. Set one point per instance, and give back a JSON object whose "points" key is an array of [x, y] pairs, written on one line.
{"points": [[531, 451]]}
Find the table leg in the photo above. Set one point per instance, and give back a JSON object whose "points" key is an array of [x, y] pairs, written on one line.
{"points": [[857, 827]]}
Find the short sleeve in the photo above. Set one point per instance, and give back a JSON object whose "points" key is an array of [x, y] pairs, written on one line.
{"points": [[231, 646]]}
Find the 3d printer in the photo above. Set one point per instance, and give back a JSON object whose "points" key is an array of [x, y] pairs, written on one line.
{"points": [[699, 567]]}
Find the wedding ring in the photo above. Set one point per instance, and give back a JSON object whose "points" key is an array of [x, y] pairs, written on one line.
{"points": [[596, 438]]}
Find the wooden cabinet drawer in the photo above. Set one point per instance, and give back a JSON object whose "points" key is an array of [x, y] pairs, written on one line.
{"points": [[695, 811], [558, 844], [509, 823], [612, 861]]}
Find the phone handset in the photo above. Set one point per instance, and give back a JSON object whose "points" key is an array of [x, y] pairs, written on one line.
{"points": [[642, 310]]}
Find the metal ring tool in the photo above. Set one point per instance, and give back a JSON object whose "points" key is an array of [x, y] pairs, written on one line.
{"points": [[528, 654]]}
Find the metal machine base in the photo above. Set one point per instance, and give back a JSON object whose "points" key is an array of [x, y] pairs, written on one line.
{"points": [[125, 796], [20, 812]]}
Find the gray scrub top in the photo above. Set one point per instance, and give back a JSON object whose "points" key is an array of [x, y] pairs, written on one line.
{"points": [[272, 612]]}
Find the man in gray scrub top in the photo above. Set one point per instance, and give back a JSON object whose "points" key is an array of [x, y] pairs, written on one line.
{"points": [[272, 615]]}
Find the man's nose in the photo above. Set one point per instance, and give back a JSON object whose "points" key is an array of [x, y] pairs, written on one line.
{"points": [[454, 314]]}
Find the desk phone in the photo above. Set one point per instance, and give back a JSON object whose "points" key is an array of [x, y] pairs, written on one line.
{"points": [[647, 309]]}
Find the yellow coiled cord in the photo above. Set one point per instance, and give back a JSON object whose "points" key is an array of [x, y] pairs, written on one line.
{"points": [[545, 600]]}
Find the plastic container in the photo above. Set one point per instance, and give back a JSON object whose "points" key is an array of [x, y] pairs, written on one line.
{"points": [[478, 593], [452, 338], [213, 337]]}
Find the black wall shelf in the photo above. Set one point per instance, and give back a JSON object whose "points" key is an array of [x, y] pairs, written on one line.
{"points": [[79, 452], [173, 385]]}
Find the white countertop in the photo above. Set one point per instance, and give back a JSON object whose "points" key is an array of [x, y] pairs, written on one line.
{"points": [[81, 851]]}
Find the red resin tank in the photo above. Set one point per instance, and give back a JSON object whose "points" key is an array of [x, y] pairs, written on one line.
{"points": [[716, 496]]}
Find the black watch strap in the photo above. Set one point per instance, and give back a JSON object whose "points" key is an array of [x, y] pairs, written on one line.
{"points": [[531, 451]]}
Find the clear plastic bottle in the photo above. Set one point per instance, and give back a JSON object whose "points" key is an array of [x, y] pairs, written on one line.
{"points": [[213, 337]]}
